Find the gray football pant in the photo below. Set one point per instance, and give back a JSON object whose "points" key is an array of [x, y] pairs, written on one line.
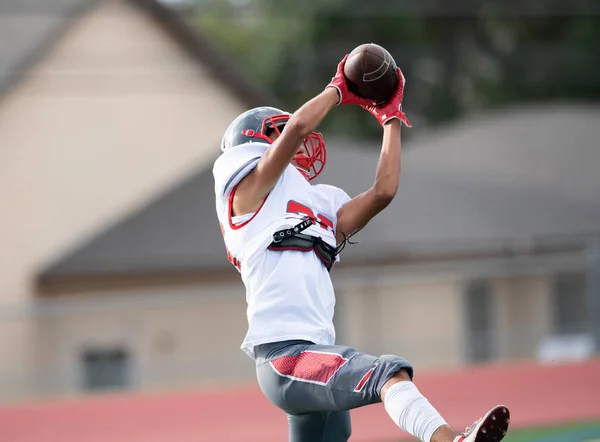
{"points": [[317, 385]]}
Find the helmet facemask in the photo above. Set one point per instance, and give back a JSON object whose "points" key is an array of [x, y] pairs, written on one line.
{"points": [[311, 161]]}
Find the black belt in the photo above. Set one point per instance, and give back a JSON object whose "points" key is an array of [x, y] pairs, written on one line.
{"points": [[292, 239]]}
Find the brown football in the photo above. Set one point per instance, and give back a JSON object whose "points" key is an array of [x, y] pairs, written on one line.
{"points": [[371, 72]]}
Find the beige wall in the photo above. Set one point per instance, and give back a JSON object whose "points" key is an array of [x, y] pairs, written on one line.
{"points": [[113, 114], [419, 312], [420, 321], [179, 336], [190, 335], [423, 323], [522, 315]]}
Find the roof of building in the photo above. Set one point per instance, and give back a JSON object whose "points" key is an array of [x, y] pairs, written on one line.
{"points": [[490, 182]]}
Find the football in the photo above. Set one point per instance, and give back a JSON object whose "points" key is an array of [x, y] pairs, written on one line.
{"points": [[371, 72]]}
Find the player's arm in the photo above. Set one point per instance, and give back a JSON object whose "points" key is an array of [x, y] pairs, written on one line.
{"points": [[255, 187], [357, 212]]}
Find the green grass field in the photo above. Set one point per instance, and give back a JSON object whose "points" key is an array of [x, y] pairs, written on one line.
{"points": [[587, 432]]}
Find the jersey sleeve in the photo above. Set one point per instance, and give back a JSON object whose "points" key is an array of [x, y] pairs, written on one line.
{"points": [[336, 196], [340, 198], [234, 164]]}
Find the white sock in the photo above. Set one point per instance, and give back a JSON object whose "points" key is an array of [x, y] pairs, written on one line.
{"points": [[411, 411]]}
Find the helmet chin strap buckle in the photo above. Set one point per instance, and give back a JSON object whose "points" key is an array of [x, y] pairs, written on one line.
{"points": [[249, 133]]}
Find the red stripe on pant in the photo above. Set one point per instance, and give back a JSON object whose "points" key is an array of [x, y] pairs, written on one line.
{"points": [[364, 379], [309, 366]]}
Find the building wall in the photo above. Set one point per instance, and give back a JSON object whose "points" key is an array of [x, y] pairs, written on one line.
{"points": [[420, 320], [173, 337], [189, 334], [523, 315], [421, 313], [113, 114]]}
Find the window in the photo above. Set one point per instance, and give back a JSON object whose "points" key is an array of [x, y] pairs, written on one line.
{"points": [[569, 304], [478, 306], [105, 368]]}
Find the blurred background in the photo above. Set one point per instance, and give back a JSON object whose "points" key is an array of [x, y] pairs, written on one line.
{"points": [[120, 316]]}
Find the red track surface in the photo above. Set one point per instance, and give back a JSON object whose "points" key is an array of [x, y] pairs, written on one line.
{"points": [[536, 395]]}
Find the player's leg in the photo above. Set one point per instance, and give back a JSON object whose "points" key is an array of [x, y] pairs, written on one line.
{"points": [[402, 401], [338, 427], [411, 411], [330, 426], [300, 377]]}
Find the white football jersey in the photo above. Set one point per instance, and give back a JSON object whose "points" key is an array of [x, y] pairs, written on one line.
{"points": [[289, 293]]}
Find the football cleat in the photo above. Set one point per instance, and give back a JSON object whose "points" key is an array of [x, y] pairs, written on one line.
{"points": [[490, 428]]}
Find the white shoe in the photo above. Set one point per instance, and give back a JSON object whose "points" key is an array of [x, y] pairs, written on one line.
{"points": [[490, 428]]}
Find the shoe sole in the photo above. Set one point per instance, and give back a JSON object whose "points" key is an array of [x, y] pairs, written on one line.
{"points": [[494, 425]]}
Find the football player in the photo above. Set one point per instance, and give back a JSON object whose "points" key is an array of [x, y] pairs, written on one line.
{"points": [[284, 235]]}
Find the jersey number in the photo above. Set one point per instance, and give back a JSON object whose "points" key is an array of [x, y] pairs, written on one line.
{"points": [[301, 209], [292, 207]]}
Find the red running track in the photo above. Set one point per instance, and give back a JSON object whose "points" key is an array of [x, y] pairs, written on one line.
{"points": [[536, 394]]}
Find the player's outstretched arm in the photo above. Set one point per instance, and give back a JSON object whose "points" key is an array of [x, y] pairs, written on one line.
{"points": [[355, 214], [253, 189]]}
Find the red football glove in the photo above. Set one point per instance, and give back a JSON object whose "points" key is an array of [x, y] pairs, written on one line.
{"points": [[339, 82], [393, 107]]}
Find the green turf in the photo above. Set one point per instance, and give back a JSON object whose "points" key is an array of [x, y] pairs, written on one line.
{"points": [[586, 432]]}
